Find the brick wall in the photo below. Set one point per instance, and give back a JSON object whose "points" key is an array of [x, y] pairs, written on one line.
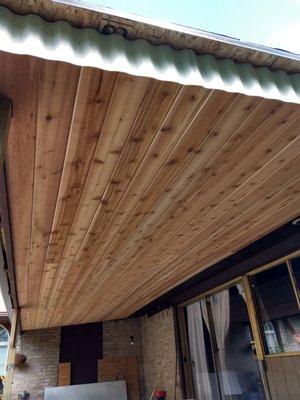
{"points": [[116, 342], [159, 354], [154, 346], [42, 350]]}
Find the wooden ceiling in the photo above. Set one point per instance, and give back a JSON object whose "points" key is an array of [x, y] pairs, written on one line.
{"points": [[122, 187]]}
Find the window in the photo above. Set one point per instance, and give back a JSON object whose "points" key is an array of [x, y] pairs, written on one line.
{"points": [[223, 363], [277, 300], [4, 339], [228, 332]]}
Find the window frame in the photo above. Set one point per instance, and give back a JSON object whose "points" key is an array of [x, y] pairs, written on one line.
{"points": [[293, 280], [287, 260], [256, 326], [244, 281]]}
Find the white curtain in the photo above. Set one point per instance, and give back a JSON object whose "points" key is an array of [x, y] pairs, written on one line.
{"points": [[220, 306], [202, 381], [241, 291], [205, 383], [205, 314], [221, 316]]}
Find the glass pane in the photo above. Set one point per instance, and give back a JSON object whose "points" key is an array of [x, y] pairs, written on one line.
{"points": [[239, 374], [3, 335], [278, 309], [3, 354]]}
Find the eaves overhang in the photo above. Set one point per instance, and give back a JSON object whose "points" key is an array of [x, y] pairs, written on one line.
{"points": [[60, 41]]}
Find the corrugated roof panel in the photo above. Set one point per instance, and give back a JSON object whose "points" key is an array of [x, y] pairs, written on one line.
{"points": [[31, 35]]}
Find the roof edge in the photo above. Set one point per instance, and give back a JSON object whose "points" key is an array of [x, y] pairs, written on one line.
{"points": [[177, 28], [81, 14], [59, 41]]}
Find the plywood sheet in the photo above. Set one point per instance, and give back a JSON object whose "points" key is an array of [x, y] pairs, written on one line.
{"points": [[121, 368], [64, 374]]}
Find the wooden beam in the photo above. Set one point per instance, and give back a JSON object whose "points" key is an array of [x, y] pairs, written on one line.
{"points": [[260, 354], [10, 287], [294, 283], [7, 282], [11, 356], [5, 118], [4, 284], [268, 249]]}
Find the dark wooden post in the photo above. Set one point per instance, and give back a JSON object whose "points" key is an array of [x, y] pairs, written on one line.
{"points": [[5, 118]]}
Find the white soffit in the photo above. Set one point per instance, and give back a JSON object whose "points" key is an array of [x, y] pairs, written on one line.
{"points": [[60, 41]]}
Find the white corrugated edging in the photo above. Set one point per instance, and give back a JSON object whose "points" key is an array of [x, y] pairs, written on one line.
{"points": [[60, 41]]}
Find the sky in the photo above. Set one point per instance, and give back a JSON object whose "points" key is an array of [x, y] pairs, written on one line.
{"points": [[274, 23]]}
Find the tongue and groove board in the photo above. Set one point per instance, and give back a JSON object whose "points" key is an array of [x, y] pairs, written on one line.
{"points": [[122, 187]]}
